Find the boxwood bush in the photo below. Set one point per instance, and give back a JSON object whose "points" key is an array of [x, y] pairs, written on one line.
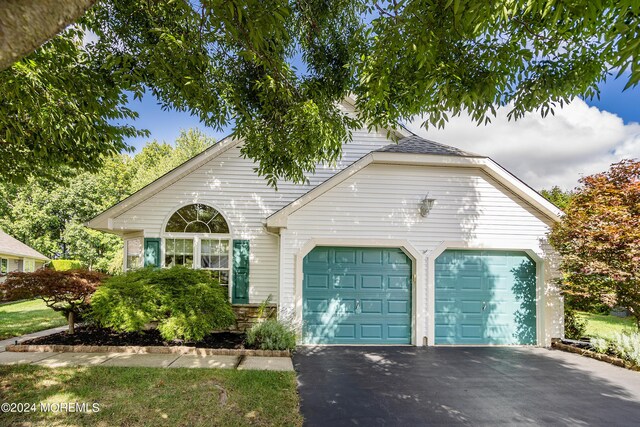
{"points": [[65, 264], [272, 334], [186, 304]]}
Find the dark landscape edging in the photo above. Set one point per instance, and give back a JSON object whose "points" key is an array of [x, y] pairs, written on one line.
{"points": [[595, 355], [24, 348]]}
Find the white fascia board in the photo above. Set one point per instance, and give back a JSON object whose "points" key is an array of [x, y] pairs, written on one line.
{"points": [[523, 190], [104, 221]]}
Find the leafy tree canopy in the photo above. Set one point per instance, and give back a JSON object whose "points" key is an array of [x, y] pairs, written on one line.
{"points": [[557, 196], [599, 238], [276, 71]]}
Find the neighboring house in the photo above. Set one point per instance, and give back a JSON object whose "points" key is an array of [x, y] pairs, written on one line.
{"points": [[16, 256], [412, 242]]}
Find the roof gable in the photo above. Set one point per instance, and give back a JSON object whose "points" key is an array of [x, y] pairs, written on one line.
{"points": [[12, 246], [420, 152]]}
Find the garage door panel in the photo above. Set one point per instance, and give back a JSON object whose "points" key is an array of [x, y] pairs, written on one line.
{"points": [[317, 281], [399, 282], [398, 259], [371, 256], [399, 332], [371, 281], [485, 297], [398, 307], [366, 302], [346, 331], [471, 307], [345, 257], [346, 281], [371, 306], [371, 331], [320, 256]]}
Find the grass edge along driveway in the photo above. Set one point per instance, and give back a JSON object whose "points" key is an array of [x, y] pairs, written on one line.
{"points": [[152, 396]]}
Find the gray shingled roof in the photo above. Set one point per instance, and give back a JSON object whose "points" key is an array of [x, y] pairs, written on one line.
{"points": [[417, 145], [11, 246]]}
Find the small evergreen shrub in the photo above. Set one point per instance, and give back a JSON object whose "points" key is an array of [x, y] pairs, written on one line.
{"points": [[272, 335], [66, 264], [574, 328], [186, 304]]}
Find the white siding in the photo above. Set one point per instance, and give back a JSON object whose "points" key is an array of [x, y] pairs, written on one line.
{"points": [[229, 183], [381, 202]]}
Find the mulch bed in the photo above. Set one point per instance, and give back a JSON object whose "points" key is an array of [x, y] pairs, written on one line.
{"points": [[107, 337]]}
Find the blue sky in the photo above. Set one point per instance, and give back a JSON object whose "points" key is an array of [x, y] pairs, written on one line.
{"points": [[166, 125]]}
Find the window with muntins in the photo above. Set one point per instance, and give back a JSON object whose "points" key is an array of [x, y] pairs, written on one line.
{"points": [[197, 218], [178, 252], [197, 236]]}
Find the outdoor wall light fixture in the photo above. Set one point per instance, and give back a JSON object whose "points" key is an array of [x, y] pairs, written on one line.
{"points": [[425, 205]]}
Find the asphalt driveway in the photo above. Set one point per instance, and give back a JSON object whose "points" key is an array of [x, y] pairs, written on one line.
{"points": [[412, 386]]}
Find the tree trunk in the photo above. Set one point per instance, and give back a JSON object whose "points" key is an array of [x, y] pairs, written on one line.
{"points": [[27, 24], [70, 318]]}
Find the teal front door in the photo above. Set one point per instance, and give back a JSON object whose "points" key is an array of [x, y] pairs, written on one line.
{"points": [[485, 297], [356, 296]]}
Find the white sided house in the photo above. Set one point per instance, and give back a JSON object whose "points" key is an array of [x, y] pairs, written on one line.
{"points": [[411, 242], [16, 256]]}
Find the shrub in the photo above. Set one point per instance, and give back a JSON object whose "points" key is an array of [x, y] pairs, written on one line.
{"points": [[574, 328], [65, 291], [600, 345], [66, 264], [187, 304], [272, 335], [626, 346]]}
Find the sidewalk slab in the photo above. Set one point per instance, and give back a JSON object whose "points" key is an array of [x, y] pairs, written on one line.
{"points": [[141, 360], [61, 360], [11, 358], [195, 361], [266, 363]]}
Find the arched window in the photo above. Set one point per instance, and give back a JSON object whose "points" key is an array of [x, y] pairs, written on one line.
{"points": [[196, 249], [197, 218]]}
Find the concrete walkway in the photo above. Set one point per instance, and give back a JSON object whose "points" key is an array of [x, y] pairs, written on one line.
{"points": [[38, 334], [63, 360], [58, 360]]}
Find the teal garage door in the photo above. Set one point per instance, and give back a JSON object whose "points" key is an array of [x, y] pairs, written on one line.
{"points": [[485, 297], [356, 296]]}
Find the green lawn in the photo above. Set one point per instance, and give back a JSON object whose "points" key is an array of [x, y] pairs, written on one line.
{"points": [[604, 326], [25, 317], [152, 396]]}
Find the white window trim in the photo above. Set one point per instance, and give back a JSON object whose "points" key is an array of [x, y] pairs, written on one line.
{"points": [[7, 263], [197, 251], [126, 252]]}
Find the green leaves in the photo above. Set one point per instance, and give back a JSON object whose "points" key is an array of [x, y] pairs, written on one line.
{"points": [[59, 109], [276, 70]]}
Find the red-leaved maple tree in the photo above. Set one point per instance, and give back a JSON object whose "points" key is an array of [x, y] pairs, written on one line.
{"points": [[599, 238], [65, 291]]}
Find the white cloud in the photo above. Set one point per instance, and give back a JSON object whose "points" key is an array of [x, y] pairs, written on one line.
{"points": [[556, 150]]}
